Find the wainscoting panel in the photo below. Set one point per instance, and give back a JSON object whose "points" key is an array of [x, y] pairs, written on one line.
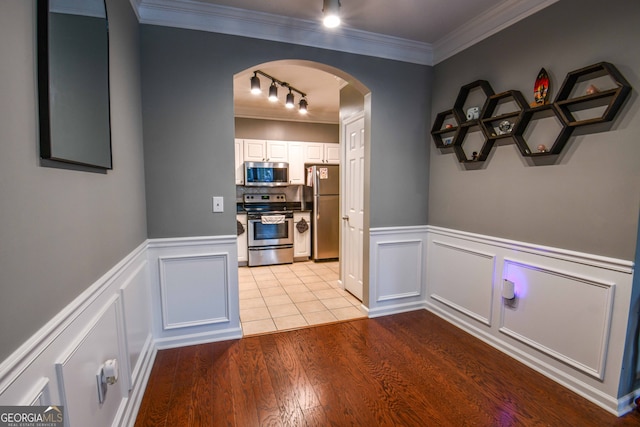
{"points": [[546, 301], [194, 290], [462, 278], [136, 303], [78, 368], [397, 270]]}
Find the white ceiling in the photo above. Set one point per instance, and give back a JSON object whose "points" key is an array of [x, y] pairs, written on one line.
{"points": [[419, 31]]}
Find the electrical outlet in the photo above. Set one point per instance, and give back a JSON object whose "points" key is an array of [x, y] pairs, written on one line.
{"points": [[218, 204]]}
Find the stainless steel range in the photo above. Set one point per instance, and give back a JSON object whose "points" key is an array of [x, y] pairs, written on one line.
{"points": [[270, 229]]}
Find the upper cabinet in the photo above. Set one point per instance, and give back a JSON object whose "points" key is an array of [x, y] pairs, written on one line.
{"points": [[295, 153], [239, 161], [296, 163], [265, 151], [318, 152]]}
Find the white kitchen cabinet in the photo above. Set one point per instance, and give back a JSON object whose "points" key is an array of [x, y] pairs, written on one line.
{"points": [[332, 153], [296, 163], [256, 150], [318, 152], [239, 161], [301, 241], [243, 248]]}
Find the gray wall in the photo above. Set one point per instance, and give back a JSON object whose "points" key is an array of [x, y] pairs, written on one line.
{"points": [[189, 127], [589, 200], [60, 230], [279, 130]]}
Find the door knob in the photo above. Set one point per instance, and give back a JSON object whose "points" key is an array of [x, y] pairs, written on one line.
{"points": [[346, 217]]}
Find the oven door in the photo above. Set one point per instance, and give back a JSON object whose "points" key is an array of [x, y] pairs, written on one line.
{"points": [[268, 231]]}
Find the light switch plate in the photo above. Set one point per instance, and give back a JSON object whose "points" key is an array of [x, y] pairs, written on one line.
{"points": [[218, 204]]}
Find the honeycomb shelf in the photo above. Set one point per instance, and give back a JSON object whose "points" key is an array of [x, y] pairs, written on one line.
{"points": [[534, 114], [611, 99], [590, 95]]}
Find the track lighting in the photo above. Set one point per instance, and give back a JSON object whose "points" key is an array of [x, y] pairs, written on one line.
{"points": [[255, 84], [273, 91], [331, 10], [303, 106], [290, 101]]}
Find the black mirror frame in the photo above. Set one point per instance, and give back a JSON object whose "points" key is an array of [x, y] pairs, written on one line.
{"points": [[44, 107]]}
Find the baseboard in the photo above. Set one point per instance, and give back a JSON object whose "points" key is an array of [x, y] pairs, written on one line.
{"points": [[201, 338], [395, 309]]}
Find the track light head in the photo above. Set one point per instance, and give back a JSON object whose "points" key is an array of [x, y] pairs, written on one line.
{"points": [[255, 84], [303, 106], [273, 92], [290, 100], [331, 10]]}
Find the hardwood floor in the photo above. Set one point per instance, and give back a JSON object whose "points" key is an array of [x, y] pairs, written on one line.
{"points": [[411, 369]]}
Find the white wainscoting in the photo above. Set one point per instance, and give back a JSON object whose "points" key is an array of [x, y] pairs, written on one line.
{"points": [[78, 367], [568, 320], [195, 290], [469, 288], [58, 364], [549, 297], [397, 269]]}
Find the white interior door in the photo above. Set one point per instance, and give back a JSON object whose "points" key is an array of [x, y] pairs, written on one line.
{"points": [[353, 212]]}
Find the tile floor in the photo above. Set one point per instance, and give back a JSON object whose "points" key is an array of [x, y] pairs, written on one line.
{"points": [[280, 297]]}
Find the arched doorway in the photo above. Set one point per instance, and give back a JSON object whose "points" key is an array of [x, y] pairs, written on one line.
{"points": [[335, 98]]}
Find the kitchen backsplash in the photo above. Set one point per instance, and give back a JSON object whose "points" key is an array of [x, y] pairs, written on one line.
{"points": [[293, 193]]}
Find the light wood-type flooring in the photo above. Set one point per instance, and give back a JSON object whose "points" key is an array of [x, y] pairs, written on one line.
{"points": [[410, 369]]}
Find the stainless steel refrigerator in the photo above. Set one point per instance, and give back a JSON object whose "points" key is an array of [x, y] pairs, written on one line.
{"points": [[323, 181]]}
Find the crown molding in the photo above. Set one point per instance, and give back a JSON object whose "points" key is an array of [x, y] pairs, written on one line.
{"points": [[194, 15], [486, 25], [239, 22]]}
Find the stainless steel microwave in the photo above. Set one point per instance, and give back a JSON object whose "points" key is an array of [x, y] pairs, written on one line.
{"points": [[266, 174]]}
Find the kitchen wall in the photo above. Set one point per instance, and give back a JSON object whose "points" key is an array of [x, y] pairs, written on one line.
{"points": [[62, 229], [589, 200], [187, 81], [279, 130]]}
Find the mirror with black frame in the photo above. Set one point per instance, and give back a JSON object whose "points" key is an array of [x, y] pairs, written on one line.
{"points": [[73, 84]]}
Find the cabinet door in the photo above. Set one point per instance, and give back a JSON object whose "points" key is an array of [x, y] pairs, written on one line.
{"points": [[301, 241], [243, 250], [313, 152], [332, 153], [239, 161], [277, 151], [255, 150], [296, 163]]}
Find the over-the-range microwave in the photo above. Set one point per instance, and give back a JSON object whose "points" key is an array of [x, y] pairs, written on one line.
{"points": [[266, 174]]}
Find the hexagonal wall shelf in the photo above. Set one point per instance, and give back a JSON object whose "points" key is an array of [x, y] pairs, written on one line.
{"points": [[502, 114], [445, 129], [459, 106], [530, 136], [575, 103]]}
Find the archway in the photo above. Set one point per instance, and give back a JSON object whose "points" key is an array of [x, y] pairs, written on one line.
{"points": [[256, 118]]}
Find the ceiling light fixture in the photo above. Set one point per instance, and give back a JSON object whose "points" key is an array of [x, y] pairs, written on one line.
{"points": [[273, 91], [290, 100], [255, 84], [303, 106], [331, 10]]}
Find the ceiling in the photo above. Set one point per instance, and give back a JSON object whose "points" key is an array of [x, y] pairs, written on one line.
{"points": [[418, 31]]}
